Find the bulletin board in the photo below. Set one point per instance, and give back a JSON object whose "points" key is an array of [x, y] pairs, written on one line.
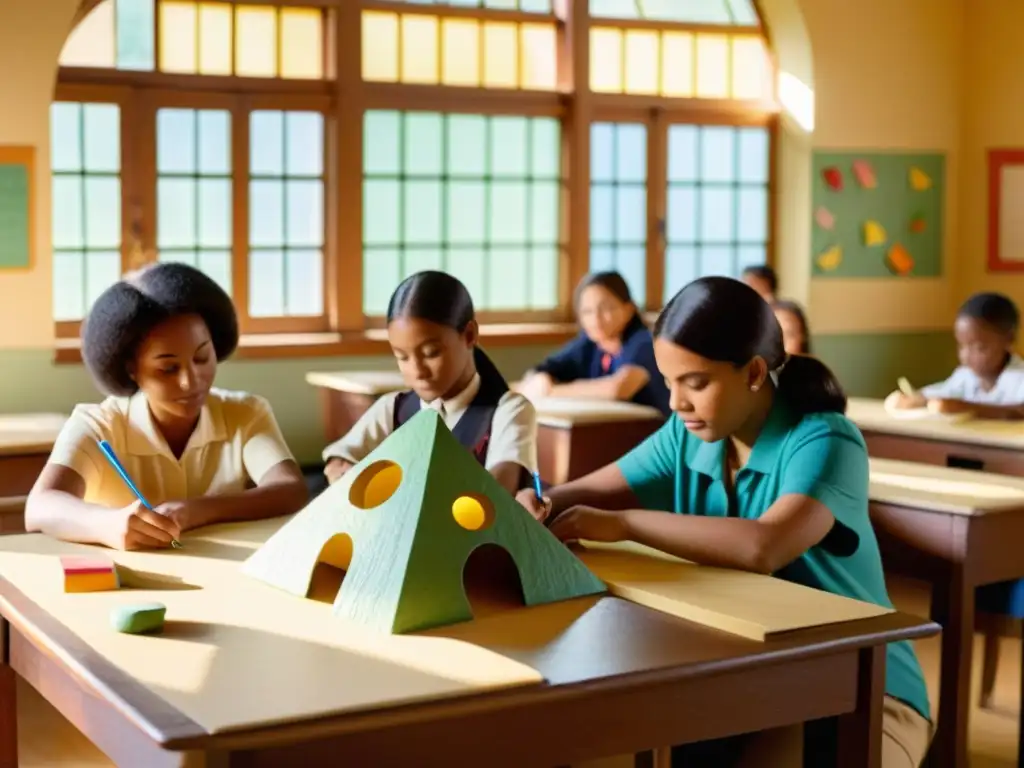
{"points": [[877, 214], [17, 168]]}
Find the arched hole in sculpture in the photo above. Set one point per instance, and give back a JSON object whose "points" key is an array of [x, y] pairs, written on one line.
{"points": [[473, 512], [375, 484], [491, 581], [331, 566]]}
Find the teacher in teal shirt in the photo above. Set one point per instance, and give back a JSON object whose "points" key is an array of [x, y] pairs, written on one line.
{"points": [[759, 471]]}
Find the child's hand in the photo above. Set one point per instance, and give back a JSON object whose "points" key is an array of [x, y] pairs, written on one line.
{"points": [[581, 522], [183, 513], [538, 508], [335, 469], [536, 386], [905, 402], [135, 527]]}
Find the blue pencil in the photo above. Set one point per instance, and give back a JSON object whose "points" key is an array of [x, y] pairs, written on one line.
{"points": [[108, 451], [536, 486]]}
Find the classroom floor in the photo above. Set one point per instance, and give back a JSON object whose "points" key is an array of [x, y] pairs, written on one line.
{"points": [[46, 739]]}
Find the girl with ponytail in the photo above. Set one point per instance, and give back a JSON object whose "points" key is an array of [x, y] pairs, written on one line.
{"points": [[434, 335], [763, 473]]}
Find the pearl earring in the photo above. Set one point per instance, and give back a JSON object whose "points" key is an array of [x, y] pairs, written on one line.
{"points": [[754, 387]]}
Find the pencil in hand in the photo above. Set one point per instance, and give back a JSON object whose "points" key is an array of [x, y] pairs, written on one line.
{"points": [[108, 452]]}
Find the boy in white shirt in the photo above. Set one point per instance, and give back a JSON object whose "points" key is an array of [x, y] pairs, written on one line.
{"points": [[990, 379]]}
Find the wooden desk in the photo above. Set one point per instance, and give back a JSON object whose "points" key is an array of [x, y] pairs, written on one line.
{"points": [[620, 679], [981, 444], [346, 395], [958, 529], [25, 444], [575, 437]]}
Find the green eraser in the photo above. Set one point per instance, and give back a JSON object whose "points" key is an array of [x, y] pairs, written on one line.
{"points": [[136, 619]]}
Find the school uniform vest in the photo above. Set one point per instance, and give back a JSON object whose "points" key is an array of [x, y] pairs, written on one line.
{"points": [[473, 429]]}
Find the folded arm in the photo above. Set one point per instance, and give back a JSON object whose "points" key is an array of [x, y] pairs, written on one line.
{"points": [[621, 385], [55, 506]]}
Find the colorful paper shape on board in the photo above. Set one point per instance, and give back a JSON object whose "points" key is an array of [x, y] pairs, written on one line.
{"points": [[917, 223], [864, 174], [405, 525], [899, 260], [919, 180], [831, 258], [833, 178], [823, 216], [874, 233]]}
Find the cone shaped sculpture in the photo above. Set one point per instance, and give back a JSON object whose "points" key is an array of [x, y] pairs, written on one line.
{"points": [[402, 524]]}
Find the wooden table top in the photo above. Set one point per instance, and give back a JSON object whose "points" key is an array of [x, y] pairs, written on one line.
{"points": [[29, 433], [252, 661], [871, 415], [370, 383], [944, 489], [564, 413]]}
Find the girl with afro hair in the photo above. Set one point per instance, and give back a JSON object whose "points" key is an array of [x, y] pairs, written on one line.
{"points": [[200, 455]]}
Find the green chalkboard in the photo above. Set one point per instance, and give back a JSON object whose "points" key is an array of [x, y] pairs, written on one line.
{"points": [[877, 214], [15, 219]]}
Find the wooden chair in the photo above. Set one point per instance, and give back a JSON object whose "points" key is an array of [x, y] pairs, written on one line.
{"points": [[1004, 600]]}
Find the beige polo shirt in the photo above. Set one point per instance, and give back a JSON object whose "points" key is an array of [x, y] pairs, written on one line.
{"points": [[513, 428], [234, 444]]}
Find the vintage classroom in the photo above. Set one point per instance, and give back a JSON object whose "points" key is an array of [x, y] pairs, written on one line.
{"points": [[909, 84]]}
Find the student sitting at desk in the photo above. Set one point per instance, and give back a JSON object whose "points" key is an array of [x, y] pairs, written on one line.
{"points": [[990, 379], [613, 356], [433, 332], [152, 342], [796, 334], [762, 279], [763, 472]]}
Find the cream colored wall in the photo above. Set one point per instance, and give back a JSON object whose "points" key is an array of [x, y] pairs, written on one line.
{"points": [[993, 117], [32, 33], [888, 74]]}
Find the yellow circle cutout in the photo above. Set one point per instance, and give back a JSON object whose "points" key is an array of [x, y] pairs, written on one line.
{"points": [[375, 484], [474, 513]]}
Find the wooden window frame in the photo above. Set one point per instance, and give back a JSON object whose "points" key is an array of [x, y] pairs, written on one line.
{"points": [[344, 98]]}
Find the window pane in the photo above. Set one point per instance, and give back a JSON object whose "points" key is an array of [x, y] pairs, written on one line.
{"points": [[544, 277], [539, 56], [677, 64], [175, 141], [65, 136], [214, 142], [422, 212], [381, 212], [631, 153], [509, 149], [176, 213], [68, 285], [508, 212], [135, 34], [753, 155], [102, 270], [717, 208], [469, 134], [217, 266], [743, 13], [712, 66], [632, 263], [602, 152], [421, 259], [750, 69], [606, 60], [304, 147], [215, 213], [102, 212], [178, 45], [602, 213], [681, 214], [68, 210], [214, 39], [301, 43], [501, 55], [752, 215], [717, 260], [544, 213], [467, 212], [461, 65], [380, 59], [266, 214], [304, 281], [682, 153], [91, 43], [718, 154], [381, 141], [508, 279], [266, 279], [546, 148], [266, 143], [423, 141], [419, 49], [102, 140], [381, 275], [470, 265], [631, 214], [681, 268], [642, 65], [255, 41], [305, 213]]}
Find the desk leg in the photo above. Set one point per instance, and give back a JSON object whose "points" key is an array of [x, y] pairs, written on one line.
{"points": [[953, 608], [8, 702], [859, 733]]}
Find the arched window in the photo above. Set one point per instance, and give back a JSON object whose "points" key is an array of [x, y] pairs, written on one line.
{"points": [[309, 158]]}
